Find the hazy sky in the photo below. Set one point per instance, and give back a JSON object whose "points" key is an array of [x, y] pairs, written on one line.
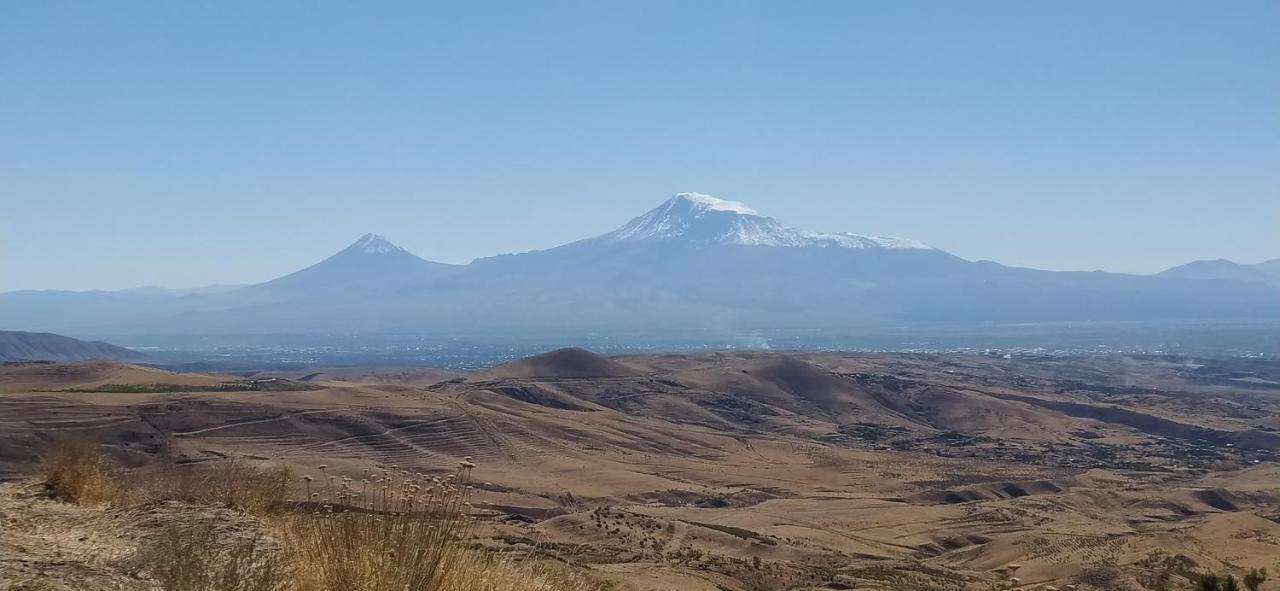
{"points": [[187, 143]]}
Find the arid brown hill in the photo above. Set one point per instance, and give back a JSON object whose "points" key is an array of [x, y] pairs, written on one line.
{"points": [[741, 470], [43, 346], [561, 363]]}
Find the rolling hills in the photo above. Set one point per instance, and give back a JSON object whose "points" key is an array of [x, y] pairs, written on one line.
{"points": [[727, 470]]}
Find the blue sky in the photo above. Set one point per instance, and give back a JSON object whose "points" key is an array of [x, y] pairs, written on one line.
{"points": [[187, 143]]}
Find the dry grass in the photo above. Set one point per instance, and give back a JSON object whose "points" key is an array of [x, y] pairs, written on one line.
{"points": [[77, 473], [470, 570], [32, 585], [202, 557], [232, 483], [255, 490], [390, 531], [396, 530]]}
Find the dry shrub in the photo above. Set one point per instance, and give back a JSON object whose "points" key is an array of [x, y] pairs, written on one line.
{"points": [[231, 482], [252, 489], [78, 473], [203, 557]]}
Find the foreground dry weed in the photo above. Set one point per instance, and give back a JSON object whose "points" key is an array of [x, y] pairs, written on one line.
{"points": [[202, 557], [390, 531], [32, 585], [231, 482], [395, 531], [471, 570], [77, 473]]}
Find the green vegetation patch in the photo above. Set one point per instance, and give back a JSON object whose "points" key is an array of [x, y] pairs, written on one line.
{"points": [[250, 386]]}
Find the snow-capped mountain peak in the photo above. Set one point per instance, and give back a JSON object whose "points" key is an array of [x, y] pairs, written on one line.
{"points": [[699, 201], [695, 218], [374, 244]]}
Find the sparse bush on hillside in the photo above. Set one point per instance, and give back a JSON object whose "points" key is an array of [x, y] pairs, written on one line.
{"points": [[1213, 582], [1252, 581], [1209, 582], [78, 473], [1255, 578]]}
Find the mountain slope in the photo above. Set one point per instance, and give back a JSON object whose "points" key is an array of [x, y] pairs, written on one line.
{"points": [[700, 262], [1272, 266], [309, 299], [372, 263], [33, 346], [698, 219], [694, 264], [1224, 270]]}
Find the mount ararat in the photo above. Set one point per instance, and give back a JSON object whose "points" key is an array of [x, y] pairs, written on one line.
{"points": [[693, 263]]}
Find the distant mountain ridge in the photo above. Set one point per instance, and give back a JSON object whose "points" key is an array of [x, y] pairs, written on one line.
{"points": [[1222, 269], [693, 263], [31, 346]]}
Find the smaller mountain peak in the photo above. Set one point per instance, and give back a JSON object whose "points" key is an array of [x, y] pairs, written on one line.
{"points": [[375, 244], [703, 202]]}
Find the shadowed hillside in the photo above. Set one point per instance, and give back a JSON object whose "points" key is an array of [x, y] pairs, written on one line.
{"points": [[34, 346], [561, 363]]}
